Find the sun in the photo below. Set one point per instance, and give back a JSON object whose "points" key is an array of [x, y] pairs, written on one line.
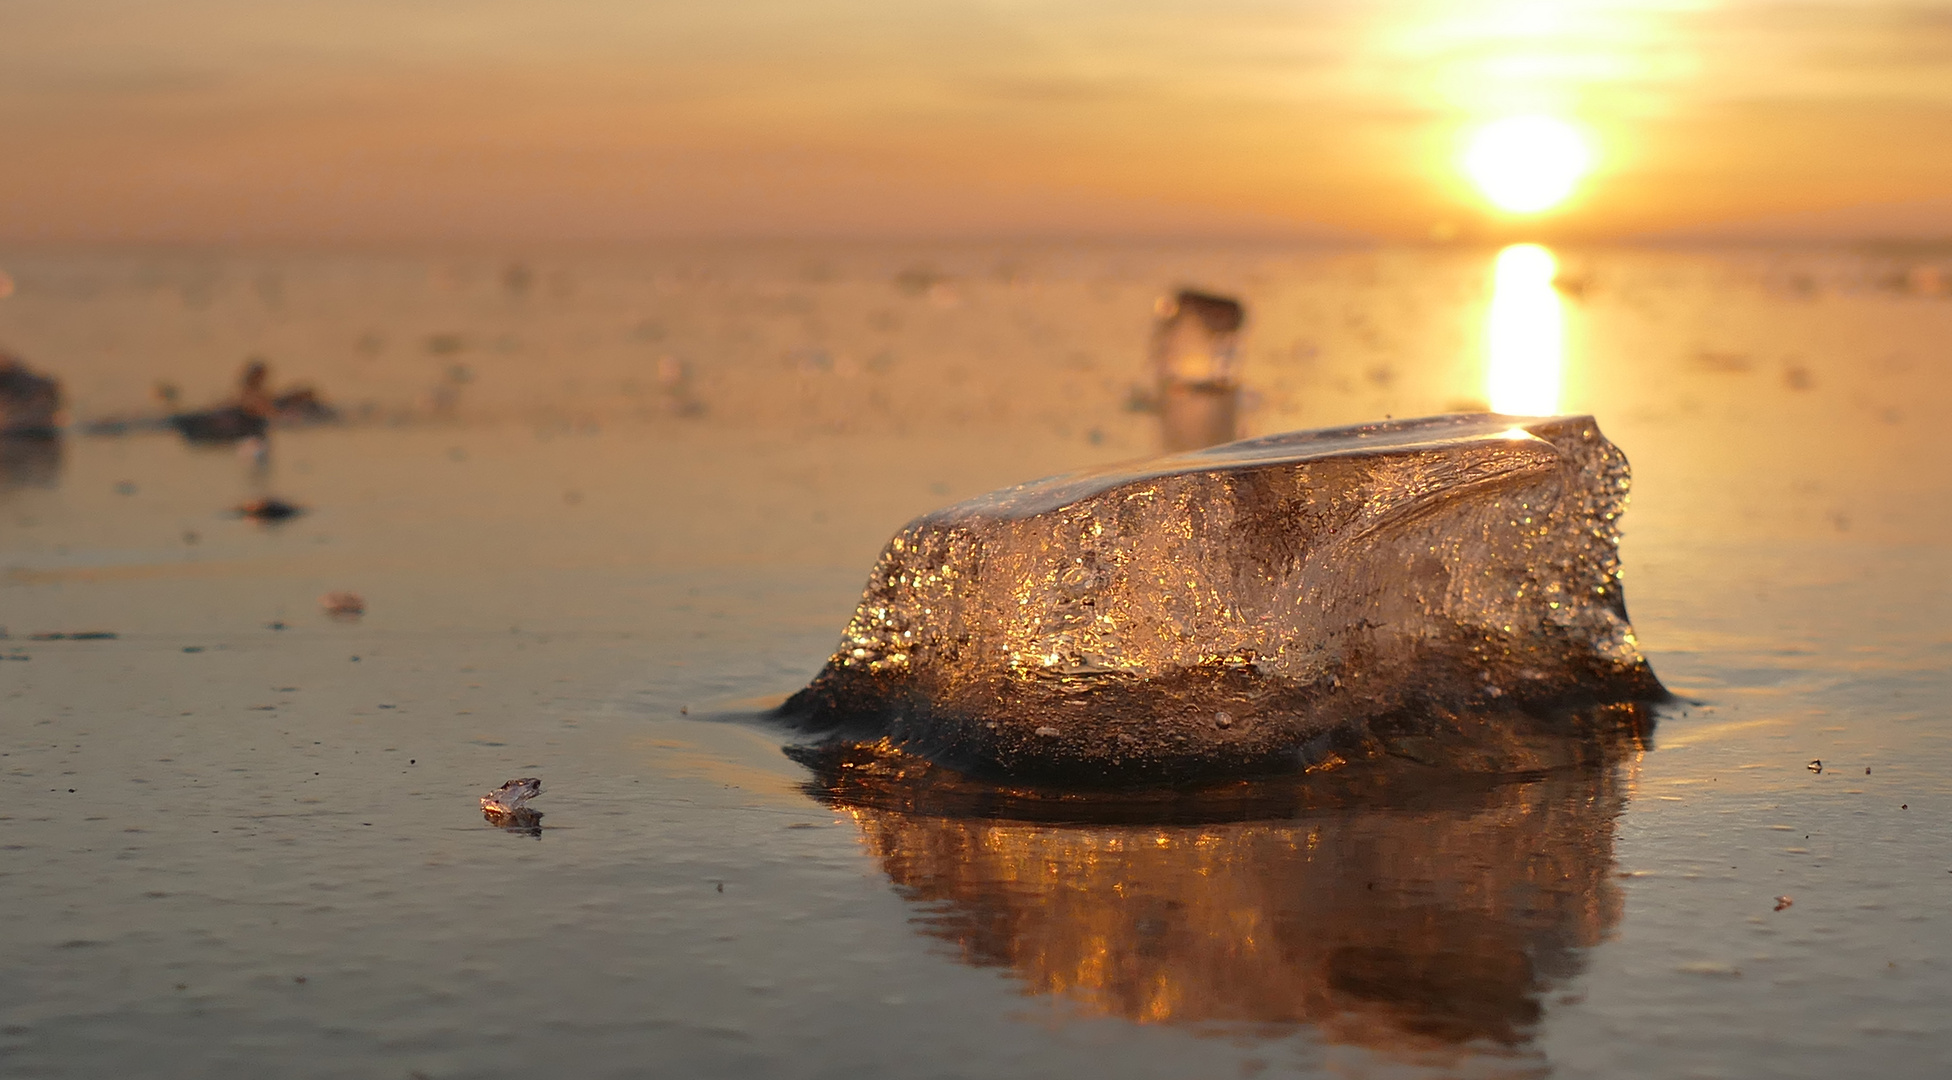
{"points": [[1525, 164]]}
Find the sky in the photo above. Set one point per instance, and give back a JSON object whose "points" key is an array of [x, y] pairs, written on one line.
{"points": [[374, 120]]}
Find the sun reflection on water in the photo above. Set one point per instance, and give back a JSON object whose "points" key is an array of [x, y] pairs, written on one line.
{"points": [[1524, 333]]}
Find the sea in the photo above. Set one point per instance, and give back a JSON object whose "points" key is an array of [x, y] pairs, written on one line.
{"points": [[599, 505]]}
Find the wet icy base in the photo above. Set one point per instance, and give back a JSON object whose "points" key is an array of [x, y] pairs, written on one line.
{"points": [[544, 601]]}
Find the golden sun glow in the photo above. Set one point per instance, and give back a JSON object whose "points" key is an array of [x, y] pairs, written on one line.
{"points": [[1525, 164], [1524, 333]]}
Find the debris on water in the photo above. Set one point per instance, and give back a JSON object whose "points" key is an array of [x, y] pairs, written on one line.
{"points": [[1783, 902], [1444, 589], [74, 635], [30, 404], [269, 508], [506, 805], [675, 383], [341, 604], [1815, 766], [302, 405], [31, 459], [297, 405], [224, 424], [252, 412]]}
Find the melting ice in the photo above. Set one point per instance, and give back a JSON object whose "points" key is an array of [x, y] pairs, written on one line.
{"points": [[1444, 589]]}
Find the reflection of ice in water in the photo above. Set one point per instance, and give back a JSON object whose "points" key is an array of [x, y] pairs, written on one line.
{"points": [[1525, 333], [1416, 919]]}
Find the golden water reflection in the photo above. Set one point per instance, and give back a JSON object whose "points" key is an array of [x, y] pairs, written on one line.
{"points": [[1429, 922], [1524, 333]]}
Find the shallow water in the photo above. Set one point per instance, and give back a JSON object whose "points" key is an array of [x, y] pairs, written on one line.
{"points": [[593, 502]]}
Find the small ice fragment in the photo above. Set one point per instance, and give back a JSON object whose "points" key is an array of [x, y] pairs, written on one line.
{"points": [[341, 604], [269, 508], [506, 805], [1195, 358], [512, 794], [1712, 968]]}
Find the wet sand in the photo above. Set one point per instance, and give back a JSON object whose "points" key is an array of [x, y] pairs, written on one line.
{"points": [[655, 488]]}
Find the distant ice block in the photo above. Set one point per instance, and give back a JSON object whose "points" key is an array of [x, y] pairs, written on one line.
{"points": [[1196, 360], [1283, 602]]}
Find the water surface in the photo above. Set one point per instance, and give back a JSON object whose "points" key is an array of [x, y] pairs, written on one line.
{"points": [[592, 501]]}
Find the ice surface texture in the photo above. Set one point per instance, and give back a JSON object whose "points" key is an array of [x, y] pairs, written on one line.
{"points": [[508, 805], [1284, 602]]}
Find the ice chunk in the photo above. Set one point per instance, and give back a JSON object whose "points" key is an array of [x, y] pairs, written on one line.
{"points": [[1196, 339], [1281, 602], [1195, 356], [507, 805]]}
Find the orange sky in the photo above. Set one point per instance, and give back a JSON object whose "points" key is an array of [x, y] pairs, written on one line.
{"points": [[300, 120]]}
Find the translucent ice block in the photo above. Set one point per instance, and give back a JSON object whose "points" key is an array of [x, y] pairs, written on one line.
{"points": [[1283, 602], [1196, 358], [508, 805]]}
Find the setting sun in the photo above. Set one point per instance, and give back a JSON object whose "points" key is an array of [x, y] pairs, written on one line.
{"points": [[1526, 164]]}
